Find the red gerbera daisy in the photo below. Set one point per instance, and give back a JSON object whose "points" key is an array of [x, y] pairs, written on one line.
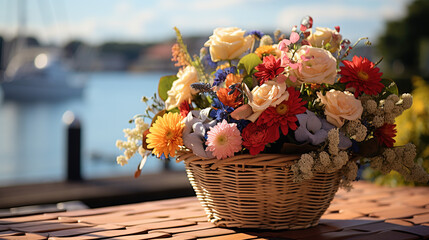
{"points": [[268, 69], [255, 137], [284, 114], [362, 75], [385, 134]]}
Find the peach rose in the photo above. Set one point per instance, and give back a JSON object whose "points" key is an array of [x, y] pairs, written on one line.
{"points": [[181, 89], [340, 106], [317, 65], [228, 43], [268, 94], [323, 36]]}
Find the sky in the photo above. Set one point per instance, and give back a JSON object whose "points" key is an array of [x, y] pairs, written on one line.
{"points": [[97, 21]]}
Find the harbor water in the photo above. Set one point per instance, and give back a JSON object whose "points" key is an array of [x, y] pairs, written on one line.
{"points": [[33, 135]]}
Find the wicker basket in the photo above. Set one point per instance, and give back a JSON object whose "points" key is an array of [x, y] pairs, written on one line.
{"points": [[248, 191]]}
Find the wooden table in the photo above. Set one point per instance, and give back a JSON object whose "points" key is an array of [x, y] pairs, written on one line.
{"points": [[366, 212]]}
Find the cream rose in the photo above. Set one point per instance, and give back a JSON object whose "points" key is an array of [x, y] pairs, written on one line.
{"points": [[181, 89], [268, 94], [228, 43], [317, 65], [340, 106], [323, 36]]}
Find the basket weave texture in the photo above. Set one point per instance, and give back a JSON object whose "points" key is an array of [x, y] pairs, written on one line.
{"points": [[247, 191]]}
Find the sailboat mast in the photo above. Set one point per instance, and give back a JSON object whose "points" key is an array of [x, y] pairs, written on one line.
{"points": [[22, 24]]}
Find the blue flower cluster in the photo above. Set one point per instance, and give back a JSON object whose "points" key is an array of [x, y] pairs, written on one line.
{"points": [[221, 112], [221, 74], [207, 61]]}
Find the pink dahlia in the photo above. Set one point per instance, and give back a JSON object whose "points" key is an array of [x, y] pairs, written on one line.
{"points": [[224, 140]]}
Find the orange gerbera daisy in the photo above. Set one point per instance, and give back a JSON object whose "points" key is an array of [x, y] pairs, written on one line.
{"points": [[265, 50], [165, 135]]}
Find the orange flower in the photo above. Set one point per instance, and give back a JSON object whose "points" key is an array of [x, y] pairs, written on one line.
{"points": [[229, 100], [178, 56], [165, 135], [232, 79], [265, 50]]}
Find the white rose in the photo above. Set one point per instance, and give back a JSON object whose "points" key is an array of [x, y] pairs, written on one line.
{"points": [[228, 43], [318, 65], [340, 106], [181, 89], [268, 94], [323, 36]]}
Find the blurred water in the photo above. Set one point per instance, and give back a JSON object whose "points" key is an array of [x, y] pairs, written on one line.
{"points": [[32, 134]]}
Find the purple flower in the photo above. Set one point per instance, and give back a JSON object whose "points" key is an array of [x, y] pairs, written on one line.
{"points": [[255, 33], [314, 130], [197, 124], [207, 61]]}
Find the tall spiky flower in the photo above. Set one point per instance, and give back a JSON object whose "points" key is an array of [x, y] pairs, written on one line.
{"points": [[179, 56]]}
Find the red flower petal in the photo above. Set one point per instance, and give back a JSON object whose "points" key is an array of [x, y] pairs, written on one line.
{"points": [[255, 137], [284, 114], [362, 75], [268, 69], [385, 134]]}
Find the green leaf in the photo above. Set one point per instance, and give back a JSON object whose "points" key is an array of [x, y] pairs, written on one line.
{"points": [[202, 100], [249, 62], [248, 80], [174, 110], [164, 85], [390, 86]]}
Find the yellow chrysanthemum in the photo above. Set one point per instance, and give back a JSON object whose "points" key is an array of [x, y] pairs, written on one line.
{"points": [[165, 135], [265, 50]]}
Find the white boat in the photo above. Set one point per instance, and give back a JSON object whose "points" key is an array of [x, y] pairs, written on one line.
{"points": [[36, 73], [39, 74]]}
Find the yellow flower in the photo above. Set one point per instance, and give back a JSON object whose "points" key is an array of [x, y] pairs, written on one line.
{"points": [[180, 90], [228, 43], [265, 50], [323, 37], [165, 135], [413, 124]]}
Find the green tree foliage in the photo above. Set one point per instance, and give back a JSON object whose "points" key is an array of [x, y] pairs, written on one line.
{"points": [[402, 37], [130, 51], [71, 47]]}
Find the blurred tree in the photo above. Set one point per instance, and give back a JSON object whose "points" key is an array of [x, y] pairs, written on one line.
{"points": [[130, 51], [29, 41], [401, 42], [71, 48]]}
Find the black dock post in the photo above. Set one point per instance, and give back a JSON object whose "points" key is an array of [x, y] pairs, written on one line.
{"points": [[74, 144]]}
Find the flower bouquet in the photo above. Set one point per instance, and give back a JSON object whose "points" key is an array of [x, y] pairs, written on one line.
{"points": [[270, 126]]}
